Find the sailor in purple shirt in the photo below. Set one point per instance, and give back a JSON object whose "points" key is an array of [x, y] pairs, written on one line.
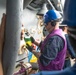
{"points": [[53, 49]]}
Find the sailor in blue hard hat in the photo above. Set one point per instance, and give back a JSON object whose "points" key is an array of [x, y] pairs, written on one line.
{"points": [[53, 49]]}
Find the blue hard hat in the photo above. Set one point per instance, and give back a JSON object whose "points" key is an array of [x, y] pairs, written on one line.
{"points": [[69, 15], [51, 15]]}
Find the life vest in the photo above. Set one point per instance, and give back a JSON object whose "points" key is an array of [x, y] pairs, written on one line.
{"points": [[58, 62]]}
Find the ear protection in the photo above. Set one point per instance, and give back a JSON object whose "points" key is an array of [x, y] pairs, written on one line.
{"points": [[53, 23]]}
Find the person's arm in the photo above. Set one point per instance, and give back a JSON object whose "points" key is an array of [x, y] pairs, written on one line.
{"points": [[69, 48], [2, 40], [34, 41], [44, 56], [2, 27]]}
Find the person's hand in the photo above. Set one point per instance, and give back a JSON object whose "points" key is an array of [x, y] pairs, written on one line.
{"points": [[30, 48], [2, 27], [2, 30], [75, 60], [32, 39], [40, 44]]}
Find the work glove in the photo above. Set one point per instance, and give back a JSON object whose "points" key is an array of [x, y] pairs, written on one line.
{"points": [[32, 39], [30, 48]]}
